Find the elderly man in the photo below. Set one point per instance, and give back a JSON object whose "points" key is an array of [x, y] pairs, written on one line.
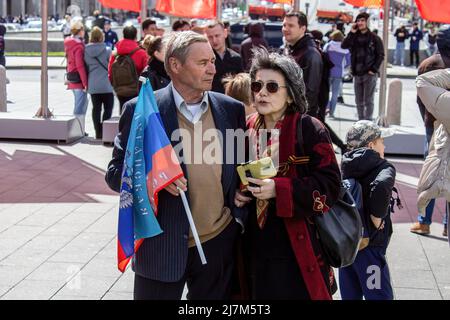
{"points": [[227, 61], [165, 263]]}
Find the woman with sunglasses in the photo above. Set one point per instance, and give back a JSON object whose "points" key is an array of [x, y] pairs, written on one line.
{"points": [[284, 251]]}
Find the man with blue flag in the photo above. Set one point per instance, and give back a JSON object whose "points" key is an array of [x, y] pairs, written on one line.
{"points": [[188, 110]]}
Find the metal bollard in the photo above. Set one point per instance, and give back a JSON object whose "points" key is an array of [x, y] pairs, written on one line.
{"points": [[394, 103], [3, 101]]}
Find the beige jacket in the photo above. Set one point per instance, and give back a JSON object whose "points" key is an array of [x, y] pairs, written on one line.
{"points": [[434, 181]]}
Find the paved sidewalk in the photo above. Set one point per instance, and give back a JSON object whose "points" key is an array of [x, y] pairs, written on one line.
{"points": [[13, 63], [58, 219]]}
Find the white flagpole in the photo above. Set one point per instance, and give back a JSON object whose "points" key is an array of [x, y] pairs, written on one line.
{"points": [[192, 225]]}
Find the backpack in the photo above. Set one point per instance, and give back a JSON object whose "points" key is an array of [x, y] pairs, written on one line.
{"points": [[125, 79], [356, 191]]}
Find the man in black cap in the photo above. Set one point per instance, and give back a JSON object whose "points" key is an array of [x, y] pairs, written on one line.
{"points": [[367, 55]]}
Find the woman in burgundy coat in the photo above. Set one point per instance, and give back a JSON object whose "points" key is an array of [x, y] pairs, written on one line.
{"points": [[283, 246], [78, 81]]}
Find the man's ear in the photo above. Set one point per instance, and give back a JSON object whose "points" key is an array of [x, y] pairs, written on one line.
{"points": [[304, 28], [225, 32], [174, 65]]}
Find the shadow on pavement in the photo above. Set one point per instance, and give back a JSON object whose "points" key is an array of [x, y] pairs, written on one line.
{"points": [[49, 176]]}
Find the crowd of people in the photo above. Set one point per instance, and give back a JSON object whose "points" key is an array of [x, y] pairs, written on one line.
{"points": [[415, 36], [202, 83]]}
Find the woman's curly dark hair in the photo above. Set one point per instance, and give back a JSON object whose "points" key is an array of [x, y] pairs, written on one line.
{"points": [[293, 74]]}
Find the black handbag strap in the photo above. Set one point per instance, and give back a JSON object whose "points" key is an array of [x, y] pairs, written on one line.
{"points": [[106, 68]]}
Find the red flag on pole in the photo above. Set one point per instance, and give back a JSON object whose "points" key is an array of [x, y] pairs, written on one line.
{"points": [[201, 9], [366, 3], [130, 5], [434, 10]]}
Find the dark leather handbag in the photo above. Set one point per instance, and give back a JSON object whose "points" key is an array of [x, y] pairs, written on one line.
{"points": [[340, 229], [73, 77]]}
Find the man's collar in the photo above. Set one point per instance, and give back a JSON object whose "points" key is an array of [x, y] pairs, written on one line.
{"points": [[222, 57], [179, 100]]}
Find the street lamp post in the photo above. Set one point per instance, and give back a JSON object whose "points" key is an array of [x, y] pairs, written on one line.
{"points": [[219, 9], [306, 8], [43, 110], [382, 102], [144, 6], [44, 61]]}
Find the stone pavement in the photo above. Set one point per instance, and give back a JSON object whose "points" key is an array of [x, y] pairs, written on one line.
{"points": [[58, 219]]}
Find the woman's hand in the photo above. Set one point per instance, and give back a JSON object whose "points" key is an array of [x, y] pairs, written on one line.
{"points": [[265, 189], [240, 199]]}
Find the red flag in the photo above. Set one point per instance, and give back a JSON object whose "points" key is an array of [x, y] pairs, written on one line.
{"points": [[434, 10], [201, 9], [366, 3], [130, 5]]}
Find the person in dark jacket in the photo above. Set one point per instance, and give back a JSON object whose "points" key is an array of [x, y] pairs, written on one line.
{"points": [[255, 39], [165, 263], [437, 61], [99, 20], [368, 277], [367, 54], [228, 62], [414, 45], [286, 260], [96, 57], [155, 70], [401, 34], [111, 37], [302, 47]]}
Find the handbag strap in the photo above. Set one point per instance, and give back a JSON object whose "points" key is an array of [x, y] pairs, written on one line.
{"points": [[96, 58]]}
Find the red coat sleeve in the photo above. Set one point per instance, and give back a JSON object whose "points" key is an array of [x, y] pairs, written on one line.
{"points": [[111, 61], [317, 186], [142, 61], [80, 67]]}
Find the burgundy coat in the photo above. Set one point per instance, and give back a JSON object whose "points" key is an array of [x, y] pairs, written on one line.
{"points": [[74, 48], [304, 191]]}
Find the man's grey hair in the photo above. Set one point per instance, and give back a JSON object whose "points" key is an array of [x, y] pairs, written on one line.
{"points": [[293, 75], [178, 46]]}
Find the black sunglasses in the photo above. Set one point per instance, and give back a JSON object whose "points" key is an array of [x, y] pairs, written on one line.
{"points": [[271, 86]]}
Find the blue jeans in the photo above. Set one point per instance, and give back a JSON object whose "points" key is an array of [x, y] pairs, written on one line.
{"points": [[335, 85], [430, 208], [429, 214], [368, 277], [399, 55], [81, 102]]}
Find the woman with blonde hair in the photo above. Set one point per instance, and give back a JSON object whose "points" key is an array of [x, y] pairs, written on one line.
{"points": [[155, 70], [96, 56], [76, 76], [238, 87]]}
